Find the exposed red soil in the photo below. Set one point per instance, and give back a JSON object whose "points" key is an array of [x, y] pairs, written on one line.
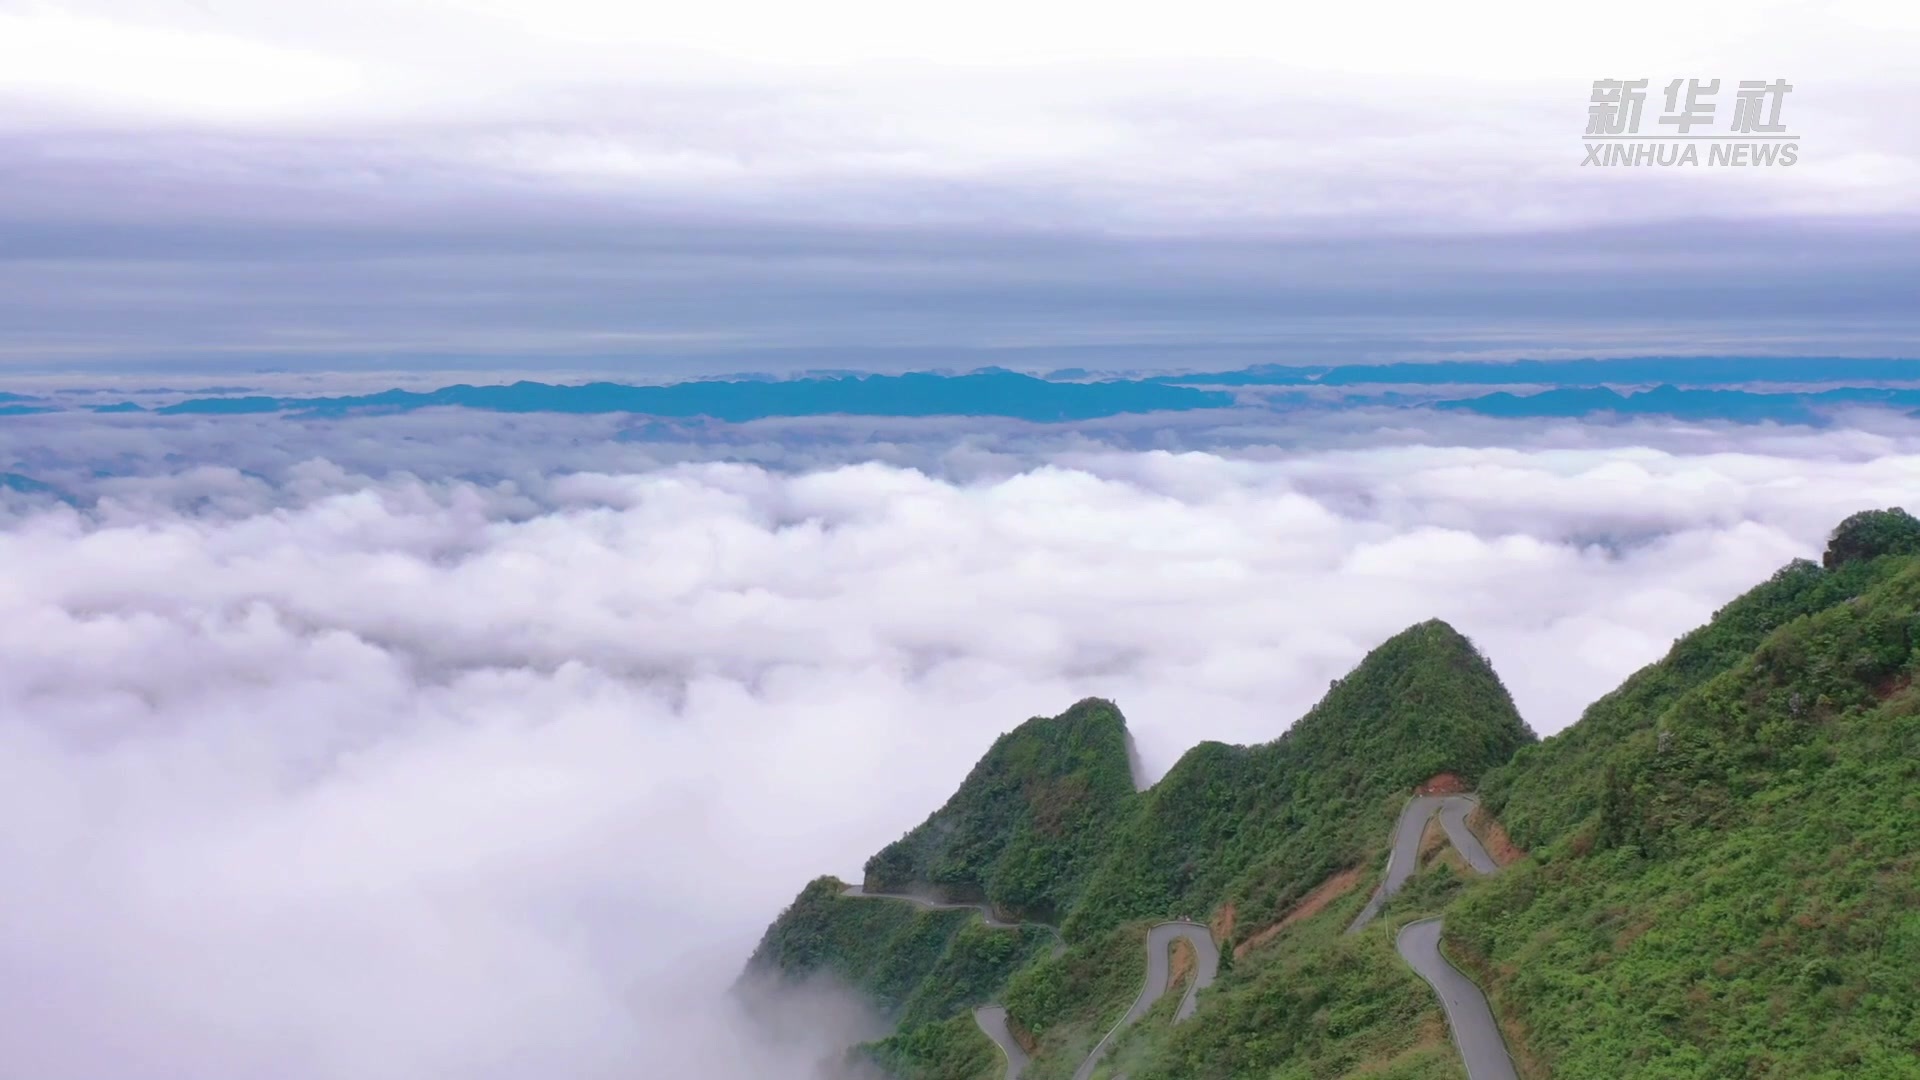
{"points": [[1494, 838], [1022, 1036], [1222, 922], [1444, 783], [1180, 961], [1892, 685], [1310, 905]]}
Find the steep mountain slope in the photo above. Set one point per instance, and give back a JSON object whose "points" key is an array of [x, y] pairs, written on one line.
{"points": [[1258, 827], [914, 964], [1281, 842], [1550, 788], [1029, 822], [1021, 834], [1047, 827], [1724, 878], [1728, 882]]}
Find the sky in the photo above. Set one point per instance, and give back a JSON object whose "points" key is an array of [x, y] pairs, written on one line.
{"points": [[228, 185], [480, 745]]}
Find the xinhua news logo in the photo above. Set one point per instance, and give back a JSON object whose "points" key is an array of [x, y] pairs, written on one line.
{"points": [[1755, 136]]}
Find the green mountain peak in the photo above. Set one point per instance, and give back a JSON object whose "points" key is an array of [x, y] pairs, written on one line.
{"points": [[1025, 826], [1716, 872]]}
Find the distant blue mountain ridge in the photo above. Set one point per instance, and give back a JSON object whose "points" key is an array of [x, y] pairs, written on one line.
{"points": [[1639, 370], [997, 392], [1745, 406]]}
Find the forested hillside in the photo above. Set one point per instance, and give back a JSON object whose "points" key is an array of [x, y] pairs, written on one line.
{"points": [[1244, 836], [1728, 882], [1260, 826], [1551, 788], [1047, 827], [1024, 829], [1028, 824], [1720, 875]]}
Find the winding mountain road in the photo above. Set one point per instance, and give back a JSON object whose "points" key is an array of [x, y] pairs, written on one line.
{"points": [[992, 1019], [1469, 1017], [1160, 941], [1404, 857], [1475, 1034], [929, 904]]}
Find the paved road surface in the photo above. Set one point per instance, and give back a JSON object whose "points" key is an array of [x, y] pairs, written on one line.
{"points": [[993, 1020], [1453, 817], [1474, 1032], [986, 913], [1468, 1014], [1160, 941], [1404, 857]]}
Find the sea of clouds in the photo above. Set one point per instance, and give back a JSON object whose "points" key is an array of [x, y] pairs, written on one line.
{"points": [[455, 745]]}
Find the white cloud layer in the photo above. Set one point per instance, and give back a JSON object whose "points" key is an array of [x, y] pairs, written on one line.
{"points": [[335, 776]]}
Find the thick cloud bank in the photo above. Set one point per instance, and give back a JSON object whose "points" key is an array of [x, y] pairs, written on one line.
{"points": [[323, 775]]}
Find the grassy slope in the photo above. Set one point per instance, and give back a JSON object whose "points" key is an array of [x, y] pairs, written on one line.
{"points": [[1727, 883], [952, 1049], [1068, 1002]]}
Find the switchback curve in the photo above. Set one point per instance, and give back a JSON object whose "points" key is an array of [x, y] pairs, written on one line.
{"points": [[1403, 857], [1160, 941], [1475, 1033], [930, 904], [992, 1019]]}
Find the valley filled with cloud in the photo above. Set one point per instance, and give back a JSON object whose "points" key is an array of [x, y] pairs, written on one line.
{"points": [[445, 745]]}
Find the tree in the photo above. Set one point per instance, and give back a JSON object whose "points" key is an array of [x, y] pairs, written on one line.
{"points": [[1872, 533]]}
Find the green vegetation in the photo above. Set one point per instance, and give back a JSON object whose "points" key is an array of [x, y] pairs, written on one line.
{"points": [[1724, 878], [975, 967], [1870, 534], [1738, 894], [1316, 1003], [1260, 827], [1022, 832], [1029, 822], [953, 1049], [1550, 788], [923, 969], [1068, 1001], [1048, 825], [885, 950]]}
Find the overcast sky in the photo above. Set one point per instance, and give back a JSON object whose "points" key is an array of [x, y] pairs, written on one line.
{"points": [[237, 183]]}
